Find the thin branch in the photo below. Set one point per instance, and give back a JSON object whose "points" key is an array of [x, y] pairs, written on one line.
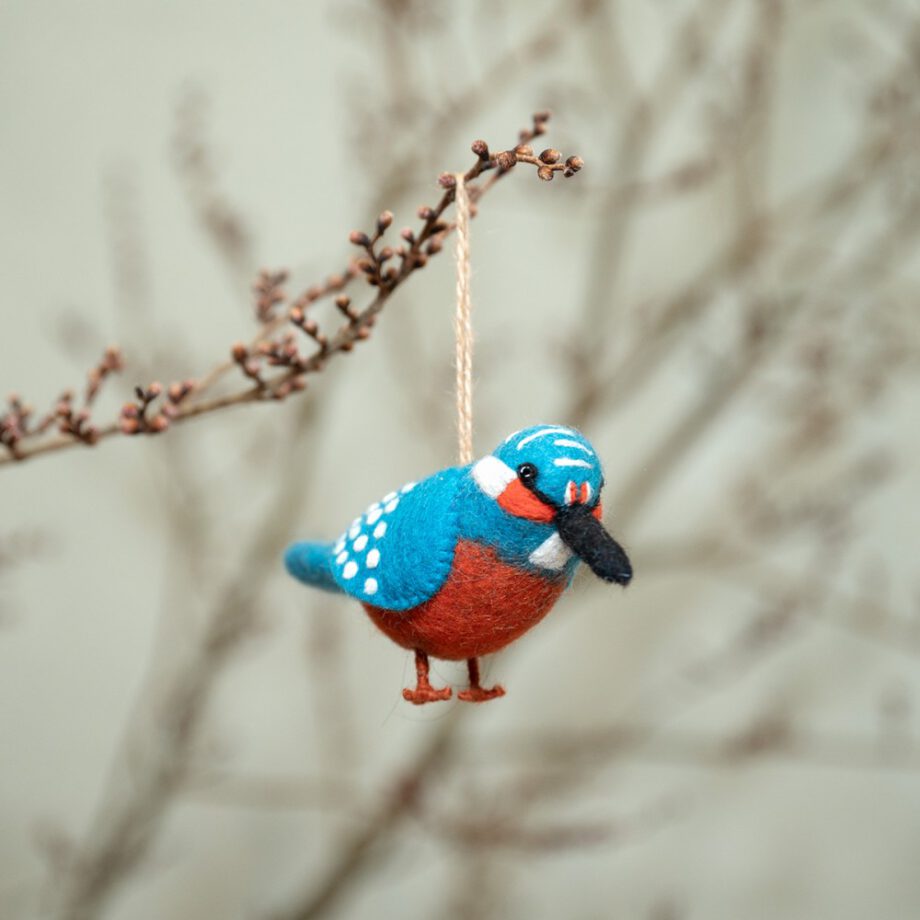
{"points": [[419, 246]]}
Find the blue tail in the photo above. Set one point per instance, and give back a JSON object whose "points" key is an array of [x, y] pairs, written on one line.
{"points": [[311, 563]]}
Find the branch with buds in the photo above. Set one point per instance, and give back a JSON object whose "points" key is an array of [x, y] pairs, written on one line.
{"points": [[276, 363]]}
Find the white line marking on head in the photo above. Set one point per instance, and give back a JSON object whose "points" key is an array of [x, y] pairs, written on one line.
{"points": [[565, 442], [572, 461], [542, 434]]}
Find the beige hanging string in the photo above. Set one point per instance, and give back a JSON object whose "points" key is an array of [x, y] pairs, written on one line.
{"points": [[463, 327]]}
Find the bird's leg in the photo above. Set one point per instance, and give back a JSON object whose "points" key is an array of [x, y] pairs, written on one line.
{"points": [[477, 694], [424, 692]]}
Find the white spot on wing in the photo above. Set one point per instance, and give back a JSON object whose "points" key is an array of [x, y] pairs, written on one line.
{"points": [[340, 545], [542, 433], [391, 506], [373, 559], [370, 586], [408, 487], [354, 530], [342, 556], [492, 475], [374, 516], [552, 554], [387, 498], [350, 570], [380, 529], [572, 461], [567, 442], [360, 543]]}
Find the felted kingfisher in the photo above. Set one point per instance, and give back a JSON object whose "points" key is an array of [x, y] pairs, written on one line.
{"points": [[464, 562]]}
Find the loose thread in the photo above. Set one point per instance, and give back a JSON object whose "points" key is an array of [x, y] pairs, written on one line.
{"points": [[463, 328]]}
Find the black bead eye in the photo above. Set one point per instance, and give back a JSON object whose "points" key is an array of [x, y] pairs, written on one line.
{"points": [[527, 473]]}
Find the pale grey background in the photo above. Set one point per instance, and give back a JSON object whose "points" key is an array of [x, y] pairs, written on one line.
{"points": [[89, 94]]}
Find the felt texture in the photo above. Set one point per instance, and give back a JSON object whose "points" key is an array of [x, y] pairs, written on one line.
{"points": [[462, 563], [398, 553], [311, 563], [484, 605]]}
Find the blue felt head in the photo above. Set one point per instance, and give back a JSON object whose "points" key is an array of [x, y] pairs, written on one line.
{"points": [[538, 494], [566, 468]]}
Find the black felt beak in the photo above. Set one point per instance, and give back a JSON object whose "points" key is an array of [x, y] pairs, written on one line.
{"points": [[585, 536]]}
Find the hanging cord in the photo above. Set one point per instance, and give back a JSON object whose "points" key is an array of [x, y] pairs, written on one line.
{"points": [[463, 327]]}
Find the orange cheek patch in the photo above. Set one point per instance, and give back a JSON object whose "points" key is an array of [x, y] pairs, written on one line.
{"points": [[598, 511], [522, 503]]}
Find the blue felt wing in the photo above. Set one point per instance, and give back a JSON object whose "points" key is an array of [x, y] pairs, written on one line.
{"points": [[399, 552]]}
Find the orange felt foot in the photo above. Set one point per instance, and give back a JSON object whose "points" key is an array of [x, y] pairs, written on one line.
{"points": [[481, 694], [424, 692], [477, 694], [421, 695]]}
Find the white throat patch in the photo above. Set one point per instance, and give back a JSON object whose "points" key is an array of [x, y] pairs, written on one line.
{"points": [[551, 554]]}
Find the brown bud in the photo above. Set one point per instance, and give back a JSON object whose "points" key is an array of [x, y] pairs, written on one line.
{"points": [[154, 390], [240, 351], [425, 213], [295, 315], [574, 164], [506, 160], [407, 234], [550, 155], [159, 423], [129, 410], [359, 238], [129, 426], [545, 173], [525, 150], [481, 149], [384, 254], [447, 180], [542, 116], [342, 301], [384, 221]]}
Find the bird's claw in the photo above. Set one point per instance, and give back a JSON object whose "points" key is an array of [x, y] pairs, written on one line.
{"points": [[421, 695], [481, 694]]}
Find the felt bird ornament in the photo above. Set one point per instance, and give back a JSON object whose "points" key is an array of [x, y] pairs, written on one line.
{"points": [[464, 562]]}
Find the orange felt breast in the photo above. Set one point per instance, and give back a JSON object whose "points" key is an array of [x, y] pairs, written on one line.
{"points": [[484, 605]]}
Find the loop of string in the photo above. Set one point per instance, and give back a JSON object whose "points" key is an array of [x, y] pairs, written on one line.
{"points": [[463, 328]]}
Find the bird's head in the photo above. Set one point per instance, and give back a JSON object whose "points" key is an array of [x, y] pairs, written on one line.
{"points": [[550, 474]]}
